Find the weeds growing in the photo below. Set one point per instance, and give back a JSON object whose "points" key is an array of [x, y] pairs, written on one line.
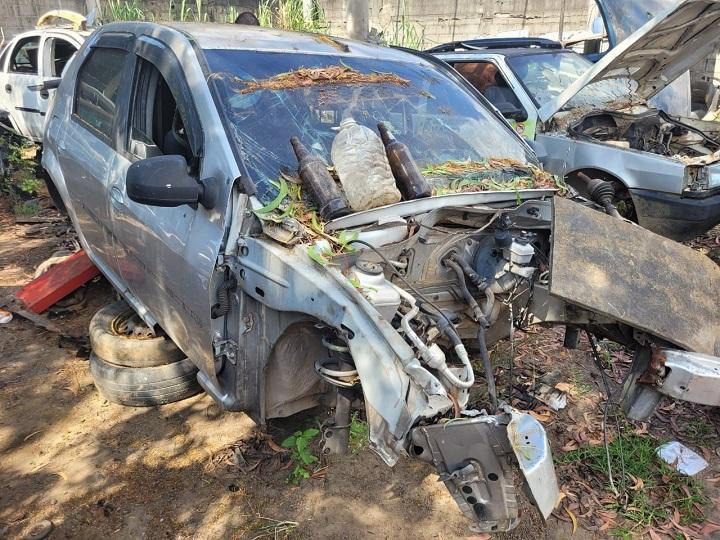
{"points": [[359, 434], [651, 492], [289, 15], [299, 445]]}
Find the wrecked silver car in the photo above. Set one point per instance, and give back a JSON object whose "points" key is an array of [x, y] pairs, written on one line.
{"points": [[308, 217], [593, 120]]}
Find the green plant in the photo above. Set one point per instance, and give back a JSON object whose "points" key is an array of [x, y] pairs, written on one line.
{"points": [[289, 15], [26, 208], [405, 33], [27, 183], [299, 445], [698, 431], [231, 14], [359, 434], [125, 10], [651, 491]]}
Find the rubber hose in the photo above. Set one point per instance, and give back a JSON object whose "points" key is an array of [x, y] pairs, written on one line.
{"points": [[469, 299], [472, 275], [487, 366], [222, 307]]}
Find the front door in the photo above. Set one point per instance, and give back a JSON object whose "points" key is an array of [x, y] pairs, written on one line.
{"points": [[165, 255]]}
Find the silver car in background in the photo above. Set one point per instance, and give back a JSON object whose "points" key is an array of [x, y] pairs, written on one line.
{"points": [[593, 120]]}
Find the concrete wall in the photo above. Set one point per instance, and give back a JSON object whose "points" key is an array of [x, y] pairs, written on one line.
{"points": [[449, 20], [438, 21]]}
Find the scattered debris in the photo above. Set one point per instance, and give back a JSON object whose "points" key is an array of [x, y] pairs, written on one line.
{"points": [[681, 458], [59, 281], [552, 397], [5, 316], [331, 75]]}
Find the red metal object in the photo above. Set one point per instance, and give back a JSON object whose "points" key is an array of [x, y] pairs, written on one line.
{"points": [[59, 281]]}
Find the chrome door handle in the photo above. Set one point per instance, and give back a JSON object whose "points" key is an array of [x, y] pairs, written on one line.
{"points": [[116, 195]]}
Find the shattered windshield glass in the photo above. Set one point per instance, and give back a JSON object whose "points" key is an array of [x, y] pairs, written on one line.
{"points": [[547, 75], [270, 97]]}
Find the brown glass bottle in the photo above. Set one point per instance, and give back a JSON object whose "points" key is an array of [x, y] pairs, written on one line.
{"points": [[409, 179], [323, 189]]}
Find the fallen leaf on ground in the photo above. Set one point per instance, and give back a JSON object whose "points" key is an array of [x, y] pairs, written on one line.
{"points": [[541, 416], [572, 518], [570, 445], [275, 446], [709, 528]]}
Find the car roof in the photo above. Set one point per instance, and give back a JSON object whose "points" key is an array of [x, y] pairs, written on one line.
{"points": [[58, 30], [505, 46], [255, 38]]}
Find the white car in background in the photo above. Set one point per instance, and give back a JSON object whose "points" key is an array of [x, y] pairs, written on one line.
{"points": [[31, 65]]}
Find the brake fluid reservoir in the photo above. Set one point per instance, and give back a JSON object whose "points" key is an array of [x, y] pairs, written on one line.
{"points": [[379, 292], [359, 158], [520, 252]]}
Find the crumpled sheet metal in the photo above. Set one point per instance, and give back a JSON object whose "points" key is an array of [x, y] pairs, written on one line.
{"points": [[616, 268], [532, 450]]}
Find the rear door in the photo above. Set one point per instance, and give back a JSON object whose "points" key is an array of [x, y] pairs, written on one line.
{"points": [[87, 150], [23, 73], [166, 256]]}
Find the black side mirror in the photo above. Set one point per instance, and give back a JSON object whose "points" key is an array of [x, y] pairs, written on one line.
{"points": [[511, 112], [165, 181]]}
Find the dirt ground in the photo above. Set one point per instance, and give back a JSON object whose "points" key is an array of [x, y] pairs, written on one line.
{"points": [[189, 470]]}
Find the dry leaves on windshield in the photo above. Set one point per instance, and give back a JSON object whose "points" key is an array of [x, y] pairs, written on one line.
{"points": [[331, 75]]}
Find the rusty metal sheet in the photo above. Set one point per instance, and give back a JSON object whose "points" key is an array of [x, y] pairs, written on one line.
{"points": [[647, 281]]}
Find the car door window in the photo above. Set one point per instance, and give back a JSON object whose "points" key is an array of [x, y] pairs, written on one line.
{"points": [[58, 53], [96, 95], [157, 126], [24, 57], [487, 78]]}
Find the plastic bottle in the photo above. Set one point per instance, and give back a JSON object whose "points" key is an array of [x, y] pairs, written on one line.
{"points": [[359, 158], [314, 175], [409, 179]]}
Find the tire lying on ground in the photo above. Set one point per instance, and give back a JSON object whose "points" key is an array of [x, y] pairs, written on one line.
{"points": [[144, 387], [110, 343]]}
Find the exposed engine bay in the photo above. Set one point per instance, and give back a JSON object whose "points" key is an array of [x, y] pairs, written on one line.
{"points": [[448, 289], [651, 130]]}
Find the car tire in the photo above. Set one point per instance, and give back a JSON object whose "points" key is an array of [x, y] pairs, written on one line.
{"points": [[145, 387], [124, 350]]}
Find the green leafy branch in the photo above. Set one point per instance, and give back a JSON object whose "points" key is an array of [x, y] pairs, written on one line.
{"points": [[299, 445]]}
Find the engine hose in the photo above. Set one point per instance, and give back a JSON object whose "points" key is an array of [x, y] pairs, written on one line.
{"points": [[469, 299], [601, 192], [222, 307], [480, 283], [487, 366], [469, 373], [665, 116], [472, 275]]}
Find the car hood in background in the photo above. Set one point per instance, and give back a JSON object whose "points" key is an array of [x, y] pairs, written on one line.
{"points": [[656, 54]]}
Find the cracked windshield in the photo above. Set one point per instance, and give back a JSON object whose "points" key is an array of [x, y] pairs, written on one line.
{"points": [[547, 75], [270, 97]]}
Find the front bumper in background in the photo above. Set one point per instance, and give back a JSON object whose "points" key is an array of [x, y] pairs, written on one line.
{"points": [[688, 376], [680, 217]]}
